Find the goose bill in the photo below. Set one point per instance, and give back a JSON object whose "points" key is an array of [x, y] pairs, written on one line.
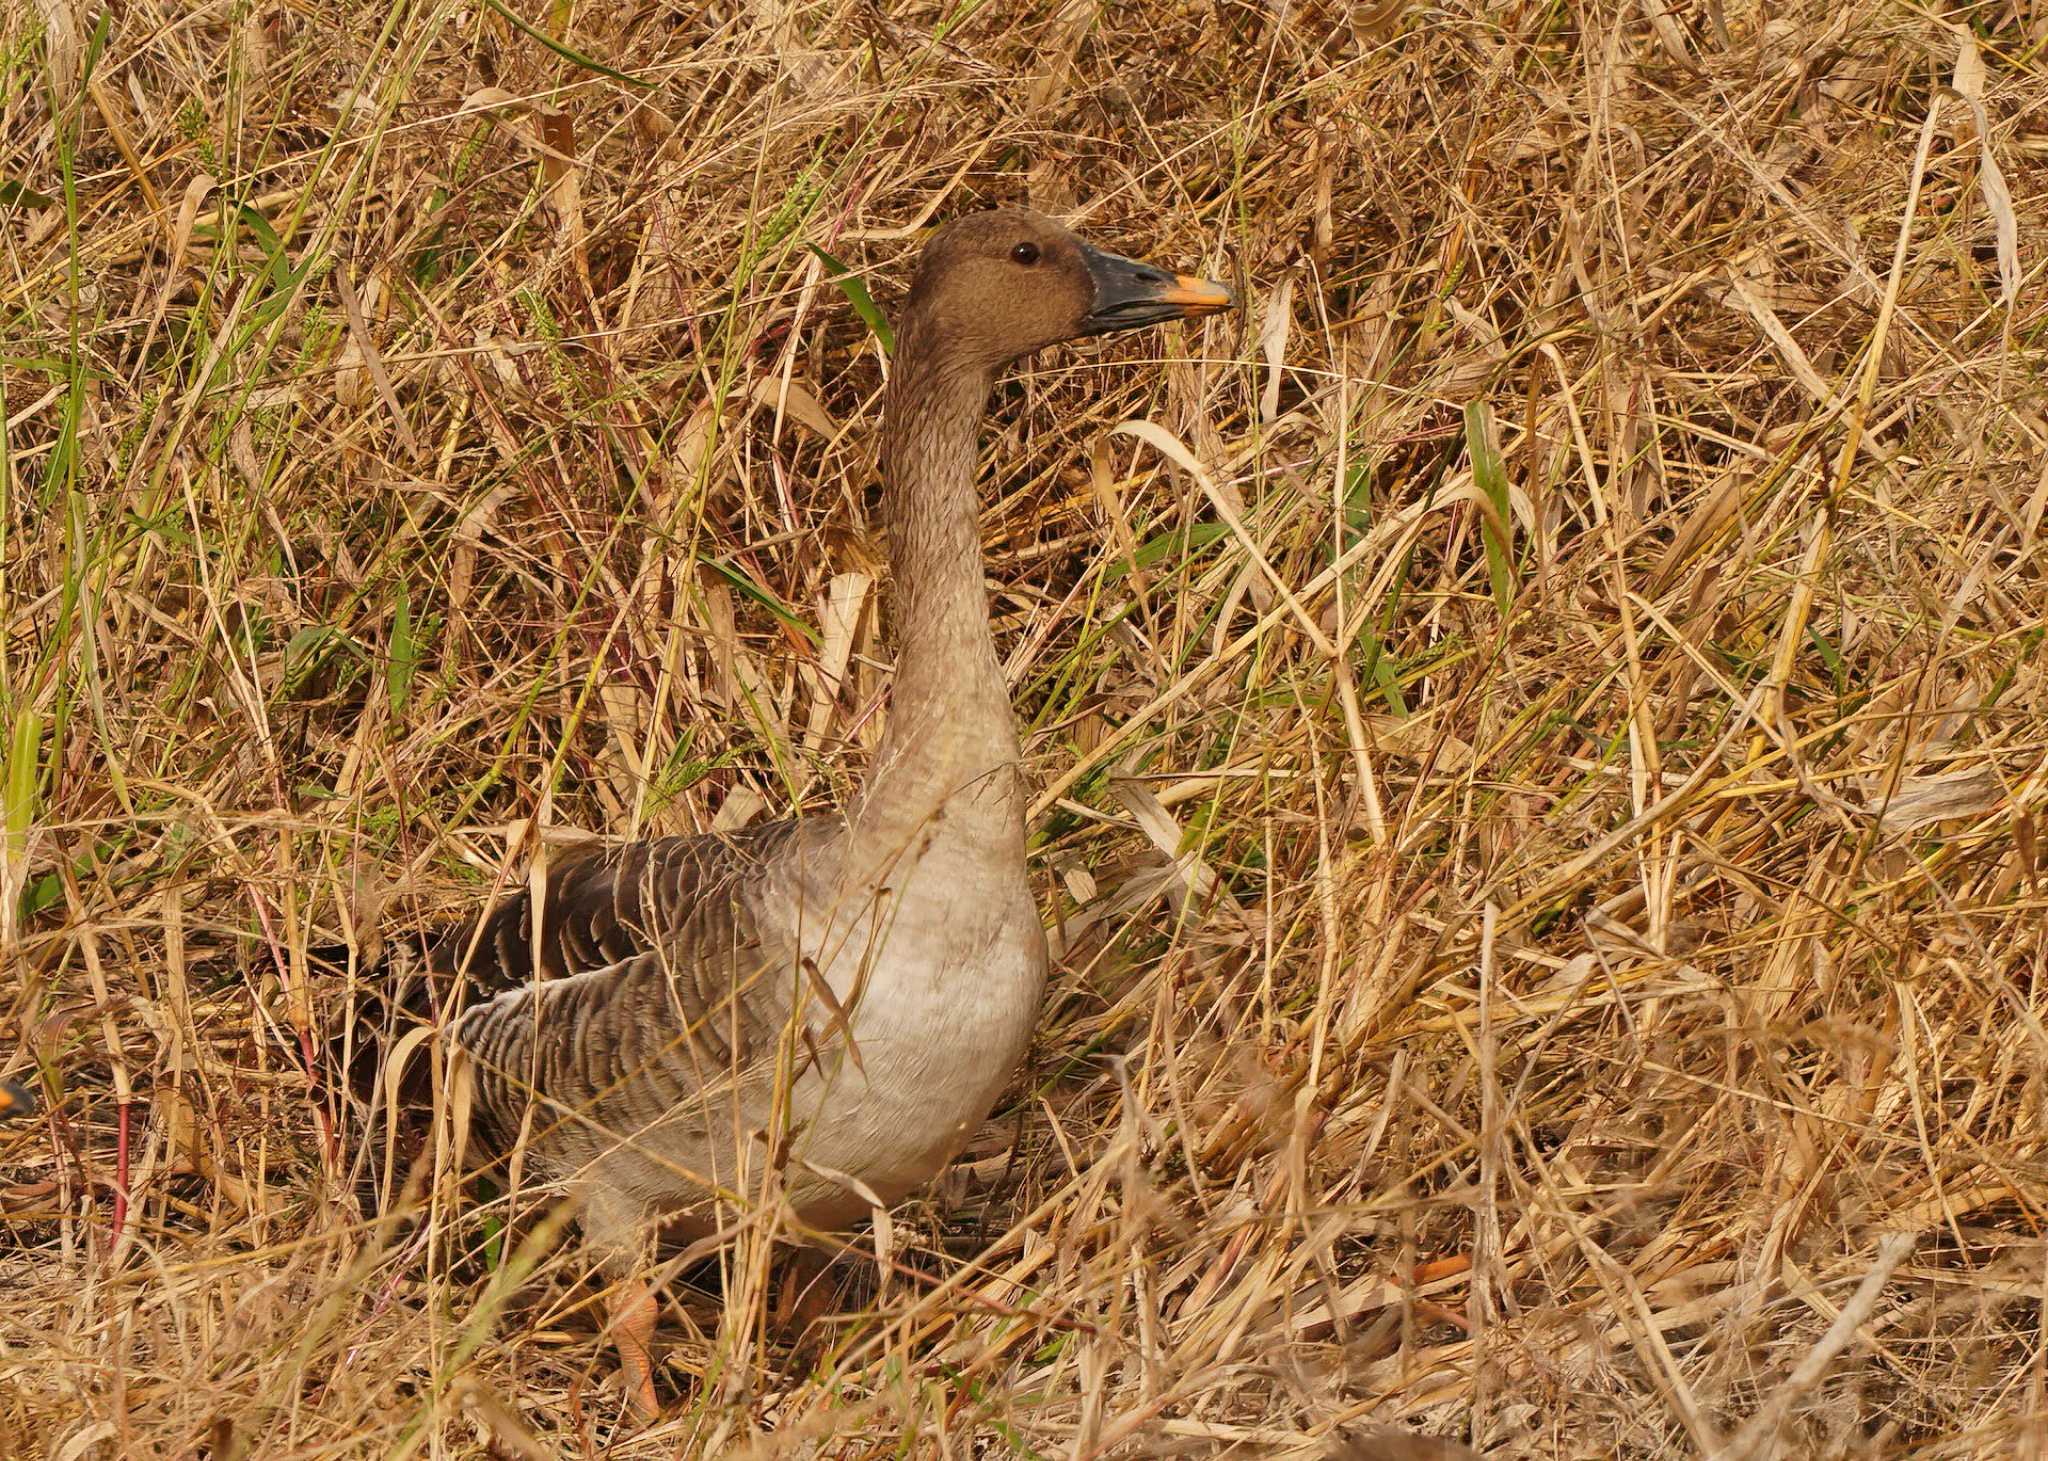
{"points": [[1129, 294], [15, 1101]]}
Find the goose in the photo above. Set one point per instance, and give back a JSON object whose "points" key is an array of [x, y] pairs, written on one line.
{"points": [[836, 999]]}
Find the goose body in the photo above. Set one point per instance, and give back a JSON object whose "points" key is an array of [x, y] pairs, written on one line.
{"points": [[680, 995], [840, 999]]}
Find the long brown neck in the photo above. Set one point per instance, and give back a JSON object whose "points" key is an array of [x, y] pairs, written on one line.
{"points": [[947, 762]]}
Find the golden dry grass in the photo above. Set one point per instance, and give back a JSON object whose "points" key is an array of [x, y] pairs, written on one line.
{"points": [[1550, 956]]}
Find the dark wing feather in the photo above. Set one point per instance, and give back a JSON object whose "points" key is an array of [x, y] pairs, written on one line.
{"points": [[654, 988], [601, 905]]}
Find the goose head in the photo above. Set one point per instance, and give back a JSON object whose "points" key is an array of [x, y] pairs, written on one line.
{"points": [[994, 286]]}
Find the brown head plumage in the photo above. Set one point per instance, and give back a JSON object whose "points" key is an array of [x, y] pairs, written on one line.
{"points": [[998, 285]]}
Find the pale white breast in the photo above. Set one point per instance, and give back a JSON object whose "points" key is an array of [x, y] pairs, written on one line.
{"points": [[941, 1016]]}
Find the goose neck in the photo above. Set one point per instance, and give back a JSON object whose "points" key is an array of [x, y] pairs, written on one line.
{"points": [[950, 750]]}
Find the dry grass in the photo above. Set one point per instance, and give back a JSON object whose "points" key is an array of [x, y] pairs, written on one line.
{"points": [[1528, 965]]}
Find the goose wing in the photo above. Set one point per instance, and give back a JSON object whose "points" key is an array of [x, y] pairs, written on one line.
{"points": [[652, 987]]}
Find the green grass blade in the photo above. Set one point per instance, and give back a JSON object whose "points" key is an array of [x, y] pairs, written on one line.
{"points": [[857, 295], [742, 584], [568, 53], [404, 658], [14, 193], [1492, 480], [24, 764]]}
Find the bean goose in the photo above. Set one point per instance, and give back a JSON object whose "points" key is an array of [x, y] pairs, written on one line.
{"points": [[850, 992]]}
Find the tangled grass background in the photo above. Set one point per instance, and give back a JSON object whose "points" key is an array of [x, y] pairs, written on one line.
{"points": [[1540, 739]]}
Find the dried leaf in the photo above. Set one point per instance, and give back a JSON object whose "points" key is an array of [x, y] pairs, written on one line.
{"points": [[1714, 511], [1969, 82], [63, 47], [626, 710], [742, 804], [794, 400], [469, 532], [838, 621], [884, 1232], [1194, 879], [558, 166], [1921, 801], [1273, 334], [359, 332], [1424, 735]]}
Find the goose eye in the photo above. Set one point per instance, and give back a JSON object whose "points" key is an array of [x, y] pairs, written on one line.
{"points": [[1025, 253]]}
